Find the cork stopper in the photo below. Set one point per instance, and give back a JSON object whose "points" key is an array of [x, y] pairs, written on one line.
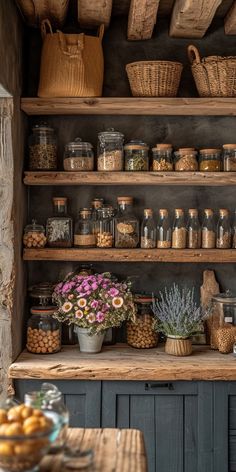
{"points": [[229, 146], [59, 200], [223, 212], [85, 212], [163, 212], [184, 151], [125, 200], [148, 212], [97, 203], [179, 211], [163, 147], [210, 151], [193, 212], [208, 212]]}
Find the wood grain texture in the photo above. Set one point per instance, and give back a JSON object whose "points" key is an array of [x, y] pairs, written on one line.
{"points": [[191, 18], [121, 362], [230, 20], [92, 13], [142, 19], [116, 450]]}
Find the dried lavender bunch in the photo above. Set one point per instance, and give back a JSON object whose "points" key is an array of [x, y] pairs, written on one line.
{"points": [[177, 313]]}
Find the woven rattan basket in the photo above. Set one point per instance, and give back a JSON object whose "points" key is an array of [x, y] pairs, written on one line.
{"points": [[215, 76], [154, 78]]}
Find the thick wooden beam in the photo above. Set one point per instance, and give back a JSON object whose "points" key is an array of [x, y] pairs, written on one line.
{"points": [[230, 20], [142, 18], [191, 18]]}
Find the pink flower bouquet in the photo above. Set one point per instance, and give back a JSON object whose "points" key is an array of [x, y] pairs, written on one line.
{"points": [[93, 301]]}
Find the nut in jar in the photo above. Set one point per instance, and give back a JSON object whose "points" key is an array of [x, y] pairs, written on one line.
{"points": [[34, 236], [141, 334], [43, 331]]}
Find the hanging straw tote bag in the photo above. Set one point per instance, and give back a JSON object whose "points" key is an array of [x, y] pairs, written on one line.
{"points": [[72, 65]]}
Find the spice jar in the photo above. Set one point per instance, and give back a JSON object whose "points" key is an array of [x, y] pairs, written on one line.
{"points": [[84, 229], [126, 224], [59, 228], [179, 233], [163, 230], [105, 227], [34, 236], [162, 158], [210, 160], [43, 331], [43, 148], [141, 333], [148, 230], [193, 230], [110, 151], [41, 294], [223, 240], [229, 157], [78, 156], [136, 156], [208, 230], [186, 160]]}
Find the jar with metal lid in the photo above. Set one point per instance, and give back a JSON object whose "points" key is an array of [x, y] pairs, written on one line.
{"points": [[59, 228], [110, 151], [223, 240], [84, 235], [208, 230], [105, 227], [210, 160], [136, 156], [78, 156], [179, 232], [148, 230], [41, 294], [43, 331], [193, 230], [229, 157], [162, 160], [141, 333], [163, 230], [43, 148], [186, 160], [34, 236], [126, 224]]}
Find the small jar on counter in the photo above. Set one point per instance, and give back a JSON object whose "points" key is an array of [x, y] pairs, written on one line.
{"points": [[136, 156], [208, 230], [126, 225], [43, 148], [59, 228], [84, 235], [210, 160], [78, 156], [179, 232], [186, 160], [193, 230], [43, 331], [229, 157], [34, 236], [141, 334], [163, 230], [162, 160], [223, 240], [105, 227], [148, 230], [110, 151]]}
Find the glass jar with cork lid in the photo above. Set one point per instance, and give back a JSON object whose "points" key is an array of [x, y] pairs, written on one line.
{"points": [[210, 160], [59, 228], [136, 156], [208, 230], [193, 230], [84, 235], [141, 334], [148, 230], [229, 157], [163, 230], [179, 232], [223, 232], [186, 160], [162, 159], [110, 151], [126, 224]]}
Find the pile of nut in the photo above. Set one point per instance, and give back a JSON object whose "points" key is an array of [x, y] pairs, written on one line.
{"points": [[34, 239], [226, 336], [40, 341], [104, 239], [141, 333]]}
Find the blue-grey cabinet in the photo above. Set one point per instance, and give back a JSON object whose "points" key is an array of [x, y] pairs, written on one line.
{"points": [[225, 426]]}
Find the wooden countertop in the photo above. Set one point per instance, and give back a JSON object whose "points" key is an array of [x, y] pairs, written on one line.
{"points": [[115, 450], [121, 362]]}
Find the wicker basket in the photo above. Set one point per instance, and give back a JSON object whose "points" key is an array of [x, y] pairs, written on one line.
{"points": [[154, 78], [35, 11], [215, 76], [92, 13]]}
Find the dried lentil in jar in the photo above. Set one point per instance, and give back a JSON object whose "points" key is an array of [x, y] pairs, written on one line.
{"points": [[43, 148], [223, 240], [148, 230], [43, 331], [141, 334], [179, 232], [208, 230], [162, 160], [163, 230], [210, 160], [193, 230], [78, 156], [136, 156], [229, 157], [110, 151], [186, 160], [126, 224]]}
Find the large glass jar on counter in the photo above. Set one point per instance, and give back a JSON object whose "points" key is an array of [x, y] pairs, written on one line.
{"points": [[162, 158], [34, 236], [43, 148], [193, 230], [229, 157], [186, 160], [148, 230], [78, 156], [43, 331], [223, 231], [110, 156], [136, 156], [126, 224], [210, 160], [105, 227], [141, 334], [179, 232], [164, 230], [84, 235], [208, 230], [59, 228]]}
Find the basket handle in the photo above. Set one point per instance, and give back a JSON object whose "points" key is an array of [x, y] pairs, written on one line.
{"points": [[101, 32], [77, 48], [193, 54], [45, 23]]}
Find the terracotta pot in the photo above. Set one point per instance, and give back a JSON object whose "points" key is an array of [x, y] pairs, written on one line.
{"points": [[89, 344], [177, 346]]}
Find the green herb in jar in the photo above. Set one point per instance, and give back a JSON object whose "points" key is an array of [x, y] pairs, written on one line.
{"points": [[136, 156]]}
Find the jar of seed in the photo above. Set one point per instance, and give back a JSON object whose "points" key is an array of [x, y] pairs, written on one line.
{"points": [[223, 239], [84, 235], [163, 230], [34, 236], [105, 227], [179, 232], [210, 160], [229, 157], [186, 160], [148, 230], [126, 224], [193, 230], [78, 156], [208, 230], [43, 331], [141, 334], [42, 148], [110, 151], [136, 156], [162, 160]]}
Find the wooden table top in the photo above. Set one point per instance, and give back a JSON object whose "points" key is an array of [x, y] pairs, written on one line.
{"points": [[121, 362], [115, 450]]}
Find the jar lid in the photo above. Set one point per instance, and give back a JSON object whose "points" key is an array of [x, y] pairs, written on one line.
{"points": [[46, 310], [193, 211], [184, 151], [209, 151], [128, 200], [229, 146], [42, 126], [78, 144], [226, 297], [223, 211], [208, 211], [59, 200], [162, 147], [178, 210], [34, 227], [110, 134], [136, 144], [148, 212], [84, 212], [142, 299], [42, 289], [163, 211]]}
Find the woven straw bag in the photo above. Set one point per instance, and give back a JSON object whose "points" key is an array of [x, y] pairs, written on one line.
{"points": [[215, 76], [72, 65], [154, 78], [35, 11]]}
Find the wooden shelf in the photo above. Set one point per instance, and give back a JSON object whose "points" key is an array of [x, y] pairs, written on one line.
{"points": [[129, 106], [132, 255], [131, 178]]}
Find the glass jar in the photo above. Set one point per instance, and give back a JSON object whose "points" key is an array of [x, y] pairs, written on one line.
{"points": [[78, 156], [223, 240], [148, 230], [43, 148], [229, 157], [59, 228], [186, 160], [41, 294], [179, 232], [225, 305], [208, 230], [162, 158], [210, 160], [34, 236], [141, 334], [110, 151], [193, 230], [43, 331], [95, 205], [136, 156], [105, 227], [126, 224], [163, 230], [84, 229]]}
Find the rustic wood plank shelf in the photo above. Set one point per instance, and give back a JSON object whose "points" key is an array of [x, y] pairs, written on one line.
{"points": [[129, 106], [132, 255]]}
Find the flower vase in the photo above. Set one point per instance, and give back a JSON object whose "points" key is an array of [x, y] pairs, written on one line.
{"points": [[87, 343], [177, 346]]}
